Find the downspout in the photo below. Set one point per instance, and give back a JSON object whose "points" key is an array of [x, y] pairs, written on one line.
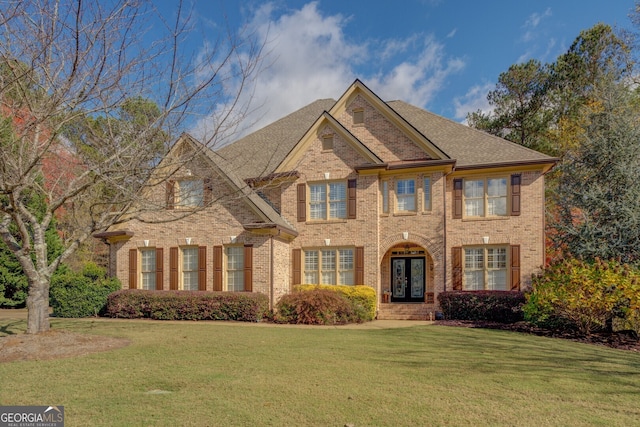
{"points": [[271, 279]]}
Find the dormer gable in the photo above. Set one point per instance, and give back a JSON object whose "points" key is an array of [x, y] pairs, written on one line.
{"points": [[318, 131], [432, 151], [211, 181]]}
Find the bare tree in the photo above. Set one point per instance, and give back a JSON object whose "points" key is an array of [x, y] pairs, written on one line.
{"points": [[69, 71]]}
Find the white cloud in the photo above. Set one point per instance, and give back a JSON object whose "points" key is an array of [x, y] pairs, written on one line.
{"points": [[310, 57], [419, 78], [475, 99], [532, 23]]}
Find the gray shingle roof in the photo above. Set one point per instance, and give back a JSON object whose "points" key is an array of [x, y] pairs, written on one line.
{"points": [[468, 146], [259, 153]]}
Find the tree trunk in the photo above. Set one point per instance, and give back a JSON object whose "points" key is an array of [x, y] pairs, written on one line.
{"points": [[38, 306]]}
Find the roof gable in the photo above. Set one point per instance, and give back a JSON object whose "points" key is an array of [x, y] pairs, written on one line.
{"points": [[360, 89], [260, 207], [326, 119]]}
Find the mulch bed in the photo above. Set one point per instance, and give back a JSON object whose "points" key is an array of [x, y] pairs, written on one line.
{"points": [[622, 340]]}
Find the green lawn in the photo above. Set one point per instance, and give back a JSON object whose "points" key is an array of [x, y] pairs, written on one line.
{"points": [[226, 374]]}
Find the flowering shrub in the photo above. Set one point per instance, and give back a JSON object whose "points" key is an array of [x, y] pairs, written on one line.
{"points": [[362, 297], [585, 296]]}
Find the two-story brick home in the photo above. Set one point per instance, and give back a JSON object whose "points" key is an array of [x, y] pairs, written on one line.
{"points": [[353, 191]]}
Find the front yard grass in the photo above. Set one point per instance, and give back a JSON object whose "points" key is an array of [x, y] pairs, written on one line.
{"points": [[231, 374]]}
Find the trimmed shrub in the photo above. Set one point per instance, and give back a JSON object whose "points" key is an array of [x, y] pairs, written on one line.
{"points": [[187, 305], [77, 295], [492, 306], [362, 298], [585, 296], [315, 307]]}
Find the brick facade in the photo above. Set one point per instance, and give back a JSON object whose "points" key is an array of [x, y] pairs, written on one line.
{"points": [[428, 232]]}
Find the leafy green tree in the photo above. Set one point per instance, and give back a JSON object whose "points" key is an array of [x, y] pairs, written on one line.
{"points": [[599, 187], [540, 105], [522, 112]]}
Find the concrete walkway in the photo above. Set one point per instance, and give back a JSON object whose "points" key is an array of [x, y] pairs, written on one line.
{"points": [[21, 314]]}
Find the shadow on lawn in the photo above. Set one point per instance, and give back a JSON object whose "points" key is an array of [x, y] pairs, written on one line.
{"points": [[12, 328]]}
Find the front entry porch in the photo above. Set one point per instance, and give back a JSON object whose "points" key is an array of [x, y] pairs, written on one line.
{"points": [[407, 284], [406, 311]]}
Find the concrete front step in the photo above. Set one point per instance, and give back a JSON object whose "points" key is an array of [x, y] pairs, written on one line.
{"points": [[395, 311]]}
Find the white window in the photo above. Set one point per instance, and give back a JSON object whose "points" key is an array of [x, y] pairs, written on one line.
{"points": [[426, 190], [406, 195], [190, 269], [328, 200], [485, 197], [485, 268], [311, 267], [329, 266], [148, 269], [235, 268], [190, 193], [497, 196]]}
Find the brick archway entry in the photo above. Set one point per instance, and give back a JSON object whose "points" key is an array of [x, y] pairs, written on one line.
{"points": [[407, 274]]}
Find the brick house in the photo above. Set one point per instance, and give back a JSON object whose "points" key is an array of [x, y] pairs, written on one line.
{"points": [[353, 191]]}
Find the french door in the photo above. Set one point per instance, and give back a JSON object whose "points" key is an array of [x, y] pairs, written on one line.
{"points": [[407, 279]]}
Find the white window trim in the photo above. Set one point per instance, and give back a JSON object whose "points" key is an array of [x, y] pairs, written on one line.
{"points": [[485, 266], [335, 272], [182, 270], [227, 270], [179, 196], [151, 272], [328, 201], [414, 195], [485, 196], [427, 197]]}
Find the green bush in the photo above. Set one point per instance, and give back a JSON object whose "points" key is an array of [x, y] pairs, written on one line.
{"points": [[362, 297], [585, 296], [315, 307], [187, 305], [492, 306], [79, 295]]}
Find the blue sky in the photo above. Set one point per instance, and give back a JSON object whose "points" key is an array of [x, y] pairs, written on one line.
{"points": [[440, 55]]}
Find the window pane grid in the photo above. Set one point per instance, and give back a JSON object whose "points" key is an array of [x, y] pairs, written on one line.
{"points": [[235, 268], [318, 201], [190, 193], [328, 198], [148, 267], [329, 267], [406, 195], [190, 269], [485, 268], [474, 197], [337, 200], [486, 197]]}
